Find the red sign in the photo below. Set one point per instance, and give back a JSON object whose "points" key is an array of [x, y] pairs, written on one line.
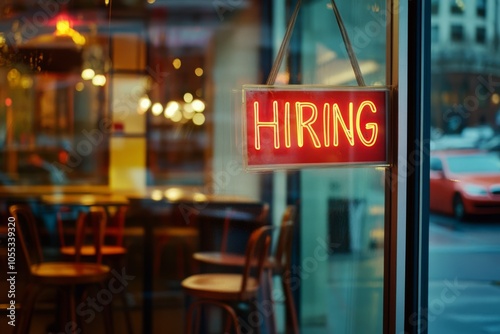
{"points": [[287, 127]]}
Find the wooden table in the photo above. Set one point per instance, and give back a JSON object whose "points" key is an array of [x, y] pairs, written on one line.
{"points": [[201, 204], [84, 200]]}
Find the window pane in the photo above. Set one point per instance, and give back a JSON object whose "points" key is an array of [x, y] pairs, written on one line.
{"points": [[345, 204], [464, 198], [457, 33]]}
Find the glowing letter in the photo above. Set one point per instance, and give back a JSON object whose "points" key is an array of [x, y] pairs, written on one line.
{"points": [[301, 124], [288, 141], [337, 118], [326, 124], [368, 126], [273, 124]]}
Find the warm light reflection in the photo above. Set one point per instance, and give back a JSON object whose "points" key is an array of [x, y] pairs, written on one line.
{"points": [[198, 105], [171, 108], [177, 63], [88, 74], [156, 195], [495, 98], [177, 116], [151, 1], [79, 86], [63, 28], [144, 104], [157, 109], [198, 71], [173, 194], [199, 119], [87, 199], [8, 102], [26, 82], [199, 197], [99, 80], [187, 114], [13, 75], [188, 97], [188, 107]]}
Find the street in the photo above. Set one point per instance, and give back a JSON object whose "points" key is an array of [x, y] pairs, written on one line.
{"points": [[464, 276]]}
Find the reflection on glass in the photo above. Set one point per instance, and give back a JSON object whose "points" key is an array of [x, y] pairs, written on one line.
{"points": [[465, 120]]}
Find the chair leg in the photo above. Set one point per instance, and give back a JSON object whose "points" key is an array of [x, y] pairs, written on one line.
{"points": [[107, 316], [231, 317], [254, 310], [160, 244], [189, 318], [291, 313], [267, 298], [126, 310], [28, 303]]}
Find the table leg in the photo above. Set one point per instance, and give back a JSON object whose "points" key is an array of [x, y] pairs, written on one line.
{"points": [[147, 293]]}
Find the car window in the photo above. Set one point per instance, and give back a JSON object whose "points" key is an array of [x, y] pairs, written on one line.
{"points": [[474, 163], [436, 164]]}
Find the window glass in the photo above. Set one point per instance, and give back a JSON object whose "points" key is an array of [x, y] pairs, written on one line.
{"points": [[135, 99], [343, 207], [436, 164], [435, 34], [481, 8], [465, 205], [457, 33], [481, 35], [434, 6]]}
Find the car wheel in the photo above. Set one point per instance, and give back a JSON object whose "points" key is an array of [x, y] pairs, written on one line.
{"points": [[458, 208]]}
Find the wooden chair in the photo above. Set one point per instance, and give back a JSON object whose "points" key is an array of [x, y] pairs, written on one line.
{"points": [[71, 278], [113, 254], [110, 251], [181, 227], [279, 264], [195, 313], [228, 288]]}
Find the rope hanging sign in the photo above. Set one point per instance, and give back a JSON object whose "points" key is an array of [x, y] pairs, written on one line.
{"points": [[294, 126]]}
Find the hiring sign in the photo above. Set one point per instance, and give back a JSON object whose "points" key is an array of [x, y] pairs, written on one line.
{"points": [[300, 126]]}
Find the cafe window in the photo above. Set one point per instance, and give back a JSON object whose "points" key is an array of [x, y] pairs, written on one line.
{"points": [[464, 210], [136, 106], [481, 8], [481, 35], [457, 33]]}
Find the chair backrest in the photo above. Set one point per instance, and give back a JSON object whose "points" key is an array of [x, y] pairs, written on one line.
{"points": [[256, 253], [66, 223], [96, 218], [283, 251], [260, 220], [27, 233], [116, 227]]}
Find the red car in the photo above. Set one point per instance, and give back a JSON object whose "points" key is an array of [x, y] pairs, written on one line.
{"points": [[465, 183]]}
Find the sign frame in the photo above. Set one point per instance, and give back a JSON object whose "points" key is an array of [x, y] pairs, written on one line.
{"points": [[320, 89]]}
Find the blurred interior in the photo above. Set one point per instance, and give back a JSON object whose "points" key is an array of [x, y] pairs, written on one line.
{"points": [[135, 103]]}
